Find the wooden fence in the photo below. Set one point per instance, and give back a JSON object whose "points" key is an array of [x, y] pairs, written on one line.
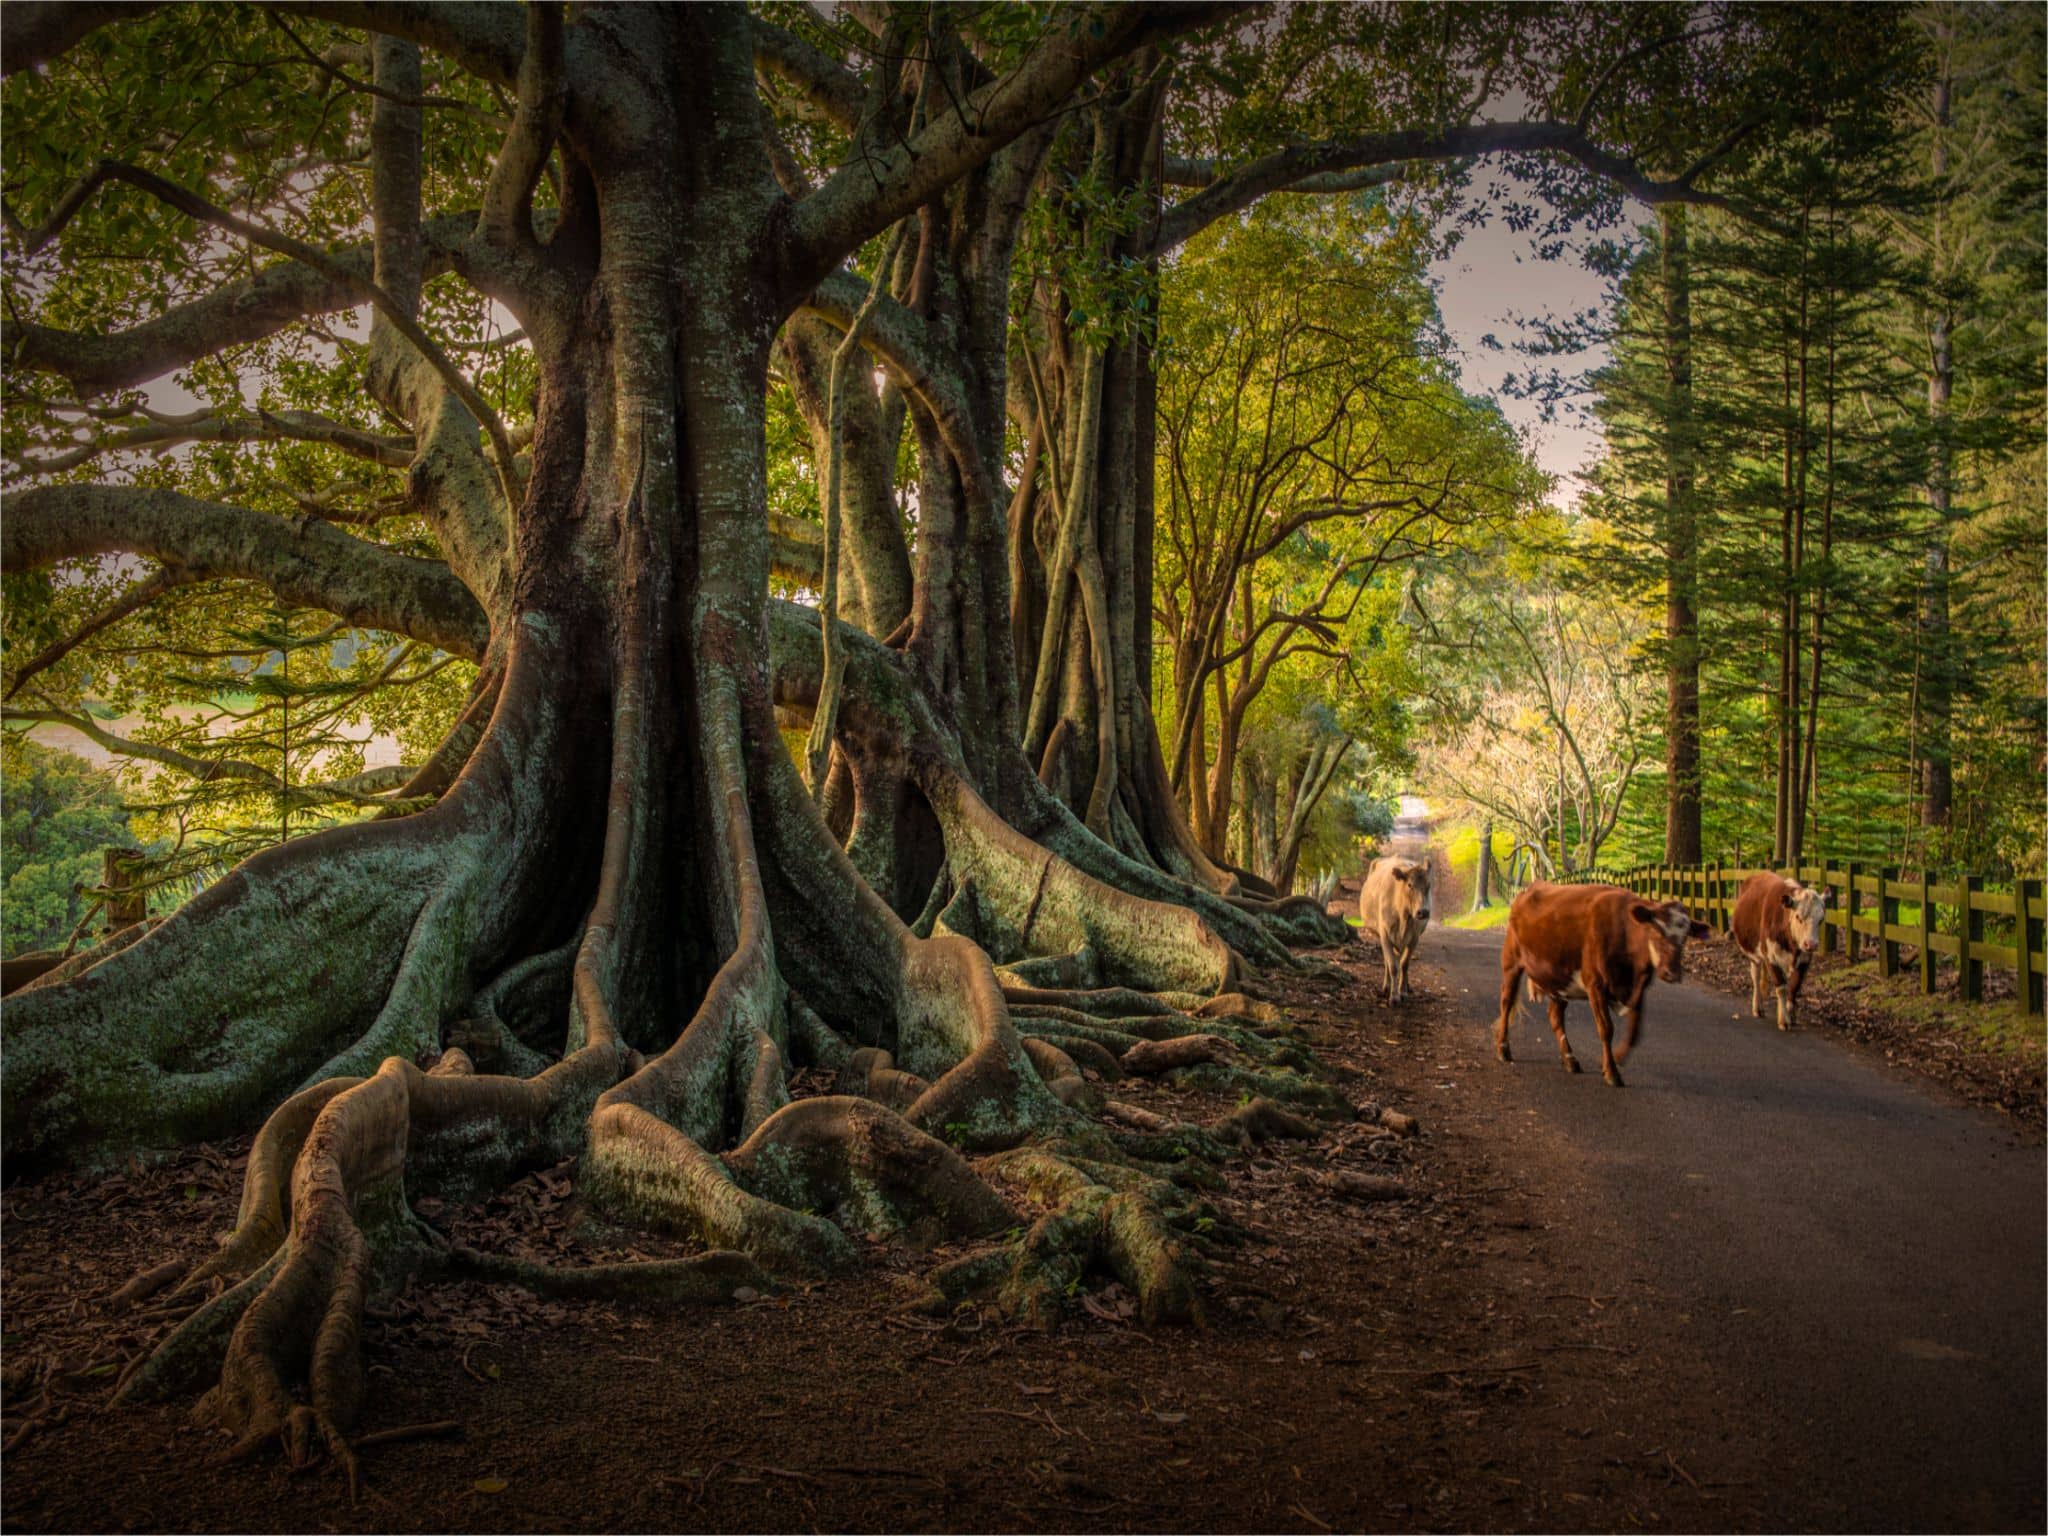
{"points": [[1864, 910]]}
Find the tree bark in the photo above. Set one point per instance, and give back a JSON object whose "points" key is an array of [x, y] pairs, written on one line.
{"points": [[1681, 555]]}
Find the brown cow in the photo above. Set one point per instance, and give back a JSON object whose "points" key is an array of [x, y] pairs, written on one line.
{"points": [[1777, 926], [1598, 942]]}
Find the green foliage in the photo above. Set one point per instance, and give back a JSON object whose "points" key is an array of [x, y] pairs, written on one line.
{"points": [[61, 813], [1314, 445], [1837, 499]]}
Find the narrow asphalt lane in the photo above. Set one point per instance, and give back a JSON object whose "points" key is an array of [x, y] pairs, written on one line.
{"points": [[1864, 1257]]}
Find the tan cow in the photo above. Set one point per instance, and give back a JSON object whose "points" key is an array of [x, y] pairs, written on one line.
{"points": [[1777, 925], [1393, 907]]}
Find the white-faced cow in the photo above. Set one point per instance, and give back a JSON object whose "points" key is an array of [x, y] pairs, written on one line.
{"points": [[1777, 926], [1597, 942], [1393, 907]]}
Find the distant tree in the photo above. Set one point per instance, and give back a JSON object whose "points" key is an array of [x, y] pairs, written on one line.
{"points": [[61, 814]]}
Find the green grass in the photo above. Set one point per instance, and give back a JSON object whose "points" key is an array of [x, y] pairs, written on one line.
{"points": [[1495, 916]]}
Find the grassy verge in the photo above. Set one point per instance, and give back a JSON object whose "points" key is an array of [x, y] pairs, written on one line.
{"points": [[1495, 916]]}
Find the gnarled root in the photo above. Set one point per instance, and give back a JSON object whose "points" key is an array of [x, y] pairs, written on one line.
{"points": [[1100, 1218], [1260, 1120]]}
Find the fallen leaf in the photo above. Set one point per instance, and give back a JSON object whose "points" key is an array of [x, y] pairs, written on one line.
{"points": [[490, 1485]]}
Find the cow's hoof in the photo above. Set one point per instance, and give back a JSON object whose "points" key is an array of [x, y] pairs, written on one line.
{"points": [[1614, 1080], [1503, 1053], [1571, 1064]]}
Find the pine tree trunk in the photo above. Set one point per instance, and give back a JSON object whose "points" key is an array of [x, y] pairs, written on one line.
{"points": [[1681, 557], [1936, 646]]}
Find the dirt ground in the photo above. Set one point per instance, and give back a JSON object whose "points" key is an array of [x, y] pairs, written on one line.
{"points": [[1454, 1360]]}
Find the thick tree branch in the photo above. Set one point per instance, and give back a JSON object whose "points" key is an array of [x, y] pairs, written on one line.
{"points": [[1225, 194], [262, 427], [543, 90], [234, 315], [193, 206], [823, 81], [307, 563], [487, 39], [876, 188], [38, 31]]}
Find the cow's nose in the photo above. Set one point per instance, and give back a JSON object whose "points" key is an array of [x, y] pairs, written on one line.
{"points": [[1425, 914]]}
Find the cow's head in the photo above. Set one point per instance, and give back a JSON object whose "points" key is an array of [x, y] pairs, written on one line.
{"points": [[1806, 911], [1416, 878], [1667, 926]]}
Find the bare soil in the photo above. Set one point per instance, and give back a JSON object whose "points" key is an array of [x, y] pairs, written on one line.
{"points": [[1443, 1361]]}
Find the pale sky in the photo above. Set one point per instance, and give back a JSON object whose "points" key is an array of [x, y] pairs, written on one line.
{"points": [[1494, 276]]}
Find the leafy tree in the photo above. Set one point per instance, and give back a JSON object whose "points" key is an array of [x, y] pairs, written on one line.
{"points": [[1312, 442]]}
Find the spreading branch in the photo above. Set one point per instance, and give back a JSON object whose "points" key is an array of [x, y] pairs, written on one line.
{"points": [[1224, 193], [309, 564], [233, 315]]}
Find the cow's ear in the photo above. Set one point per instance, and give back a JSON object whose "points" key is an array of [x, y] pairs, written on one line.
{"points": [[1700, 930], [1787, 899], [1400, 873], [1643, 912]]}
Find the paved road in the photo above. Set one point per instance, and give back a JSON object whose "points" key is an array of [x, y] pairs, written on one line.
{"points": [[1866, 1257]]}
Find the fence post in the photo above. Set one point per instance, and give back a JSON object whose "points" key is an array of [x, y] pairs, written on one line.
{"points": [[125, 904], [1926, 934], [1887, 918], [1827, 929], [2026, 893], [1851, 938], [1970, 963], [1720, 917]]}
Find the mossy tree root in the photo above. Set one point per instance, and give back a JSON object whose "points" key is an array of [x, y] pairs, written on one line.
{"points": [[1031, 902], [1098, 1218]]}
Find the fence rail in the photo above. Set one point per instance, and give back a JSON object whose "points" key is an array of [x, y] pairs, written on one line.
{"points": [[1867, 903]]}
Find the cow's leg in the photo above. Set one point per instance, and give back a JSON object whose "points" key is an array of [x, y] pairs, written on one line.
{"points": [[1605, 1025], [1789, 1000], [1564, 1046], [1407, 955], [1510, 995], [1756, 989]]}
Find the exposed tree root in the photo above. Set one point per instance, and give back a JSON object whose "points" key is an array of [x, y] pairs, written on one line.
{"points": [[1152, 1058], [1100, 1219], [1029, 901], [1263, 1120]]}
